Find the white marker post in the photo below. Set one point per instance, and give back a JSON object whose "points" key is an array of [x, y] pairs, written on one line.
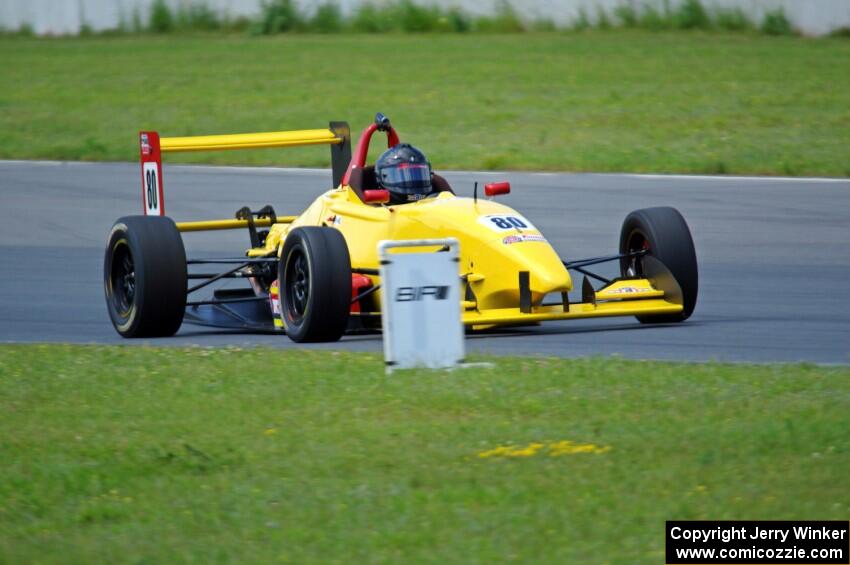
{"points": [[420, 304]]}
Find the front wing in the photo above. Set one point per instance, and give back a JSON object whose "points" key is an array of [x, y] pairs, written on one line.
{"points": [[622, 297]]}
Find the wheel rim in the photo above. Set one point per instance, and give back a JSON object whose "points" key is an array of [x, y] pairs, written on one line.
{"points": [[637, 242], [122, 278], [297, 285]]}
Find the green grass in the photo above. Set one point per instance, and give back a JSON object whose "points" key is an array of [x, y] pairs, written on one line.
{"points": [[147, 455], [635, 101]]}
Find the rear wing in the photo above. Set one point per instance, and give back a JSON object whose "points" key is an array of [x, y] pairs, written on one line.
{"points": [[151, 148]]}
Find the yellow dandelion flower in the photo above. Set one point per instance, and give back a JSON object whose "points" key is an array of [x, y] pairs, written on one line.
{"points": [[553, 448]]}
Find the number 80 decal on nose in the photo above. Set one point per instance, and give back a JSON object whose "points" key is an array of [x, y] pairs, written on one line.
{"points": [[505, 222]]}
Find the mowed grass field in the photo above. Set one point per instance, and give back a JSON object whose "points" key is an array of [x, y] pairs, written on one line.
{"points": [[159, 455], [636, 101]]}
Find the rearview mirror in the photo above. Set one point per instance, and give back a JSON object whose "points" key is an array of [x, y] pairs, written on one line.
{"points": [[376, 196], [496, 188]]}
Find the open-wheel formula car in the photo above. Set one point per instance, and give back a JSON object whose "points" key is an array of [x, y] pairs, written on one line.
{"points": [[315, 276]]}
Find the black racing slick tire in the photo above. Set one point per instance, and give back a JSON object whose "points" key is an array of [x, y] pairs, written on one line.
{"points": [[663, 233], [314, 274], [144, 277]]}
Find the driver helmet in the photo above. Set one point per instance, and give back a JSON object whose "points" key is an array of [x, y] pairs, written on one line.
{"points": [[405, 172]]}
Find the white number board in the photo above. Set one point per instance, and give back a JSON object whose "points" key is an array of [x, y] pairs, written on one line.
{"points": [[150, 189], [420, 304]]}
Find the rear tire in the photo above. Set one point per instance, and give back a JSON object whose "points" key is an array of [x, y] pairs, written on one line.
{"points": [[664, 233], [315, 284], [144, 277]]}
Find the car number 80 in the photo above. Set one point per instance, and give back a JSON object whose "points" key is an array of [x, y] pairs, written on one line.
{"points": [[150, 188], [505, 222]]}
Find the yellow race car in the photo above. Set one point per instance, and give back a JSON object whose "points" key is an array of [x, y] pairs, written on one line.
{"points": [[316, 275]]}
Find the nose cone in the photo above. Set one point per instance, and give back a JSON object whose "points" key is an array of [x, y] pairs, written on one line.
{"points": [[546, 270], [496, 242]]}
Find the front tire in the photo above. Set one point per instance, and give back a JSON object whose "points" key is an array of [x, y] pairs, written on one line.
{"points": [[663, 233], [315, 284], [144, 277]]}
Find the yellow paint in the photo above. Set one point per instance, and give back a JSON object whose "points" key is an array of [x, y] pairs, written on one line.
{"points": [[623, 290], [249, 140], [492, 265], [210, 225], [493, 252], [497, 316], [482, 249]]}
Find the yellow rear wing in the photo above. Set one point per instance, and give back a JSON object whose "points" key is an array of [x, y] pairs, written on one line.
{"points": [[250, 140], [152, 146]]}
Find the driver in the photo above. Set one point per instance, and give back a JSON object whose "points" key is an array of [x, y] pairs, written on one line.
{"points": [[405, 172]]}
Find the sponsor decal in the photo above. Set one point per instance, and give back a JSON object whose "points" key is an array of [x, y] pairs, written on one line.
{"points": [[510, 239], [417, 293], [146, 146], [274, 298], [626, 290]]}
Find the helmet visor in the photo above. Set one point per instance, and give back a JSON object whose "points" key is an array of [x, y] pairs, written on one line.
{"points": [[407, 178]]}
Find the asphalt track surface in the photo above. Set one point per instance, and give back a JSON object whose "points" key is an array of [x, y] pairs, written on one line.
{"points": [[774, 255]]}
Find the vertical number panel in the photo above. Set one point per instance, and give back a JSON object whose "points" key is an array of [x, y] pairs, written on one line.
{"points": [[151, 189]]}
